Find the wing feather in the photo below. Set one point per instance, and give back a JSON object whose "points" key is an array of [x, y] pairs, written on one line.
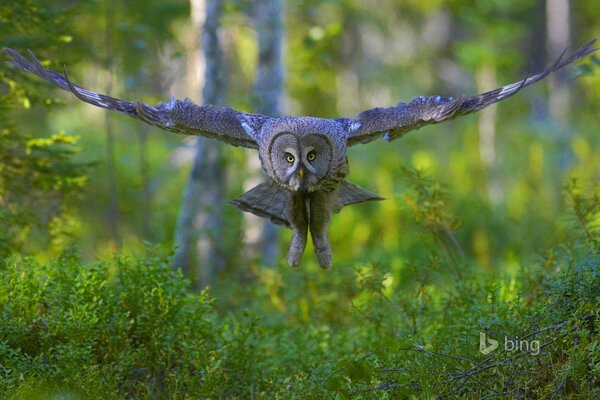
{"points": [[393, 122], [179, 116]]}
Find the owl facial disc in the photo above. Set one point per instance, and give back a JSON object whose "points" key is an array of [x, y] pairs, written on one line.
{"points": [[300, 162]]}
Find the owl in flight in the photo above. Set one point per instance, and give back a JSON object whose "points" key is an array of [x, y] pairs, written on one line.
{"points": [[303, 158]]}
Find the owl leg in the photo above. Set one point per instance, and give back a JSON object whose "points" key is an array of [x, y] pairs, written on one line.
{"points": [[297, 215], [322, 205]]}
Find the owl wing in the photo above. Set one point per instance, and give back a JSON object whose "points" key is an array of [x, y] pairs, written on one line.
{"points": [[394, 122], [180, 116]]}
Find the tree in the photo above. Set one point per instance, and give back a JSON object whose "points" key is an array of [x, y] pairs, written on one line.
{"points": [[261, 234], [558, 31], [113, 208], [39, 177], [558, 37], [199, 232]]}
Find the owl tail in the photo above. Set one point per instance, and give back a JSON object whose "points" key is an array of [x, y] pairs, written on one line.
{"points": [[268, 200], [354, 194]]}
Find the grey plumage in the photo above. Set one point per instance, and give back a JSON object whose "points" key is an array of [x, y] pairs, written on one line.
{"points": [[268, 200], [303, 158], [180, 116]]}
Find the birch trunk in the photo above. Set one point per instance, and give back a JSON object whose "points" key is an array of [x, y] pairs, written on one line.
{"points": [[486, 80], [146, 192], [113, 208], [558, 36], [261, 234], [199, 232]]}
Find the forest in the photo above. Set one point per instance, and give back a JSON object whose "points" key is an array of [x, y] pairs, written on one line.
{"points": [[126, 273]]}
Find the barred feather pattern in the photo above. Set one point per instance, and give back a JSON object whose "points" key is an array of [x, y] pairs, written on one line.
{"points": [[394, 122], [179, 116]]}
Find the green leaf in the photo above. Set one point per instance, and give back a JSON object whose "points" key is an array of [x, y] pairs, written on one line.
{"points": [[334, 383], [360, 371]]}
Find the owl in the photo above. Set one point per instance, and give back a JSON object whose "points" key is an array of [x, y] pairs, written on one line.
{"points": [[303, 158]]}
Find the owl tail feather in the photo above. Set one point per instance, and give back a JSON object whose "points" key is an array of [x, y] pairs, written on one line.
{"points": [[268, 200], [354, 194]]}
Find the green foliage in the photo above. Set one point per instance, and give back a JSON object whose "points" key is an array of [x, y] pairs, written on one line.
{"points": [[39, 178], [586, 212], [130, 328]]}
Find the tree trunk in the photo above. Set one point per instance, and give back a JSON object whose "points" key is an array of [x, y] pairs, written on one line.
{"points": [[558, 36], [486, 80], [199, 232], [113, 208], [146, 193], [261, 234], [558, 33]]}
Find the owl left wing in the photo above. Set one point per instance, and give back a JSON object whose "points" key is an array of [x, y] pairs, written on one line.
{"points": [[179, 116], [394, 122]]}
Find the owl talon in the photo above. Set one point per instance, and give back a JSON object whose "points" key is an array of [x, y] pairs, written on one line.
{"points": [[324, 257], [296, 250], [293, 260]]}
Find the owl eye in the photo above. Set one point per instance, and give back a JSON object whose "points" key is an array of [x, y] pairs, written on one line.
{"points": [[290, 158], [311, 156]]}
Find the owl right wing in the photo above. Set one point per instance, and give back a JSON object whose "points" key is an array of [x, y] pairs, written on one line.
{"points": [[179, 116], [394, 122]]}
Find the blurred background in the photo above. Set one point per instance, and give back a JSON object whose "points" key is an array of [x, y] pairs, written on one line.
{"points": [[122, 183]]}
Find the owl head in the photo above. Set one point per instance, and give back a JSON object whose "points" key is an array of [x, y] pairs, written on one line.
{"points": [[302, 153]]}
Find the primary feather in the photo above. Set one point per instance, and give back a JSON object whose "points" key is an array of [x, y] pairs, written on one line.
{"points": [[393, 122], [179, 116]]}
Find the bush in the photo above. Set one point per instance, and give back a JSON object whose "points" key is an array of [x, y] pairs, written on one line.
{"points": [[128, 328], [131, 328], [40, 178]]}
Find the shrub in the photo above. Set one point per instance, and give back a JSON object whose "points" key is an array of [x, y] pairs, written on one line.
{"points": [[126, 328], [131, 328]]}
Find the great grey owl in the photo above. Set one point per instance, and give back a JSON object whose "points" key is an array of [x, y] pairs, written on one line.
{"points": [[303, 158]]}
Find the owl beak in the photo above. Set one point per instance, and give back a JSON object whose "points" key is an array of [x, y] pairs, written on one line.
{"points": [[301, 173]]}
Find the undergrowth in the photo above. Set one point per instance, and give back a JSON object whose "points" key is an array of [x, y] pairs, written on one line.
{"points": [[131, 328]]}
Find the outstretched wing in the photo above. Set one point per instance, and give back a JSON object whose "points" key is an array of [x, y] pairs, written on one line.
{"points": [[180, 116], [394, 122]]}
